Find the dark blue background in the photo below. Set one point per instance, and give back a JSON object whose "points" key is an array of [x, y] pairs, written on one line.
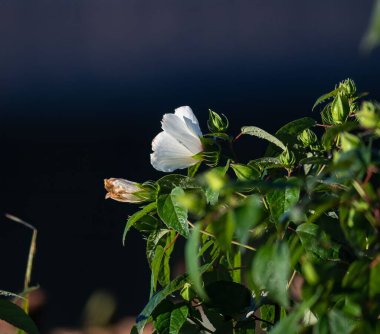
{"points": [[83, 86]]}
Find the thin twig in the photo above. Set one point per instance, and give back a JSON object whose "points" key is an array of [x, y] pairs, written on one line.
{"points": [[232, 242], [291, 280]]}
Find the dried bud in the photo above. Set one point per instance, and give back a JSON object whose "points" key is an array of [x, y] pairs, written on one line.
{"points": [[307, 137], [217, 123], [126, 191]]}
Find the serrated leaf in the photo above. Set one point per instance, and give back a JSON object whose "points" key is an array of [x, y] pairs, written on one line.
{"points": [[192, 261], [172, 212], [16, 316], [325, 97], [136, 217], [172, 321], [271, 269], [260, 133]]}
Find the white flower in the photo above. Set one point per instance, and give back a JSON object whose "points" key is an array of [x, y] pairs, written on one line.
{"points": [[175, 147], [123, 190]]}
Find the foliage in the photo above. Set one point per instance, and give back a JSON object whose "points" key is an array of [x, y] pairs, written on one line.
{"points": [[308, 211]]}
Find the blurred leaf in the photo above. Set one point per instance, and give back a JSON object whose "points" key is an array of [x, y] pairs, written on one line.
{"points": [[137, 216], [333, 131], [172, 212], [271, 270], [374, 278], [192, 261], [257, 132], [339, 323], [371, 38], [223, 230], [248, 215], [16, 316]]}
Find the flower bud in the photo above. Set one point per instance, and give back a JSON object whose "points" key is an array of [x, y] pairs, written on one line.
{"points": [[287, 158], [126, 191], [348, 86], [340, 108], [307, 137], [369, 116], [217, 123], [349, 141]]}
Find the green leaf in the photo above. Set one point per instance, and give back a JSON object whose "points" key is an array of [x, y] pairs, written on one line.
{"points": [[257, 132], [16, 316], [271, 269], [192, 262], [339, 323], [288, 133], [156, 264], [282, 199], [371, 38], [333, 131], [245, 172], [223, 230], [291, 323], [172, 321], [374, 278], [172, 212], [248, 215], [137, 216], [317, 242], [154, 239], [325, 97]]}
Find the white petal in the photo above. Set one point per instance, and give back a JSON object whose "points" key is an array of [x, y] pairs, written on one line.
{"points": [[177, 128], [169, 154], [189, 118]]}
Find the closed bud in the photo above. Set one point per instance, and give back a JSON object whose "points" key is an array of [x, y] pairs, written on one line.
{"points": [[307, 137], [369, 116], [127, 191], [217, 123], [287, 158], [340, 109], [349, 141], [348, 86]]}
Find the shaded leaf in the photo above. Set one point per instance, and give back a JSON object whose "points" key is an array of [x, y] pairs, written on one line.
{"points": [[16, 316]]}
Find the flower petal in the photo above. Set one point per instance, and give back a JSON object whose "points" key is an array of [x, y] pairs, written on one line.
{"points": [[186, 113], [177, 128], [169, 154]]}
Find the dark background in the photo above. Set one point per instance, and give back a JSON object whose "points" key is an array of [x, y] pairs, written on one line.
{"points": [[83, 87]]}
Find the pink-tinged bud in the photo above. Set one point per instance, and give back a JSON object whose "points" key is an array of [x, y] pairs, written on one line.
{"points": [[124, 191]]}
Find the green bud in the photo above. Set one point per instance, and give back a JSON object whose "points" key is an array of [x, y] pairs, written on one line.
{"points": [[340, 108], [307, 137], [187, 292], [287, 158], [244, 172], [349, 141], [217, 123], [369, 116], [348, 87]]}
